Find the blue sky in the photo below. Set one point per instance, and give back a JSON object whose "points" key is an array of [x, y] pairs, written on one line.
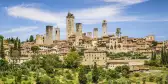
{"points": [[136, 18]]}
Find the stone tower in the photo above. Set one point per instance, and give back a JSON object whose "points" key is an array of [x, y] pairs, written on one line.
{"points": [[104, 28], [89, 34], [78, 32], [69, 25], [39, 39], [95, 33], [150, 38], [57, 34], [49, 35]]}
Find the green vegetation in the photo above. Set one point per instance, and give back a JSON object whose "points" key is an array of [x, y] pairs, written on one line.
{"points": [[2, 54], [31, 39], [123, 55], [35, 49], [49, 69]]}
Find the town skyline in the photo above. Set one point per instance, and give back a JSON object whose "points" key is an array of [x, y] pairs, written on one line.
{"points": [[15, 21]]}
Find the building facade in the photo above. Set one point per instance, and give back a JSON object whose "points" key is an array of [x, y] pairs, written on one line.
{"points": [[70, 25]]}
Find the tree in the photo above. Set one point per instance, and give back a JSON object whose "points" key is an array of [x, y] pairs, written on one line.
{"points": [[35, 49], [112, 74], [159, 80], [3, 64], [2, 54], [15, 45], [144, 80], [27, 40], [166, 82], [19, 48], [73, 49], [18, 76], [95, 74], [72, 60], [45, 80], [118, 32], [82, 77], [31, 39], [124, 70], [154, 43]]}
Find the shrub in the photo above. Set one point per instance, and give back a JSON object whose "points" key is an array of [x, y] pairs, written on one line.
{"points": [[4, 79], [136, 74], [10, 76], [151, 78], [69, 76], [25, 78]]}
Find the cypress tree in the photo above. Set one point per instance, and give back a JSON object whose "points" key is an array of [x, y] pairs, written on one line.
{"points": [[144, 80], [162, 56], [19, 48], [166, 57], [2, 47], [27, 40], [11, 52], [95, 74], [15, 45], [82, 77], [31, 39], [166, 79], [154, 56]]}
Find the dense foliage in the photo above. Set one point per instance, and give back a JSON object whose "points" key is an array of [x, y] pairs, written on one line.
{"points": [[124, 55]]}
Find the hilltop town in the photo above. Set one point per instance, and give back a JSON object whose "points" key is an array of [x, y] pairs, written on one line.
{"points": [[89, 43], [106, 51]]}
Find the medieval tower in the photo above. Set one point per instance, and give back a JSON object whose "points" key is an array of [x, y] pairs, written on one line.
{"points": [[104, 28], [78, 32], [89, 34], [57, 34], [49, 35], [39, 39], [69, 25], [95, 33]]}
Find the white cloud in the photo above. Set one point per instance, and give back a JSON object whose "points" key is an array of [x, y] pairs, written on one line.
{"points": [[126, 2], [19, 30], [86, 16], [29, 12]]}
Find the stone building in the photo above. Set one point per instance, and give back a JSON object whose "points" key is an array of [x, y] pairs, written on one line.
{"points": [[89, 34], [150, 38], [95, 33], [104, 28], [94, 56], [70, 25], [78, 33], [39, 39], [139, 64], [49, 35], [57, 34]]}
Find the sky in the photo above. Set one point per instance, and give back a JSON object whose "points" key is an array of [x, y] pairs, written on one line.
{"points": [[136, 18]]}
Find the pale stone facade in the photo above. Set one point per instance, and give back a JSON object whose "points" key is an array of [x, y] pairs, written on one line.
{"points": [[78, 33], [95, 33], [112, 64], [49, 35], [104, 28], [150, 38], [39, 39], [70, 25], [57, 34], [89, 34], [93, 56]]}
